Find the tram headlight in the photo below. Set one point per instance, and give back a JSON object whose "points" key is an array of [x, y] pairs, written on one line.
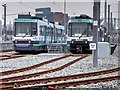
{"points": [[29, 41], [72, 41], [85, 41], [15, 41]]}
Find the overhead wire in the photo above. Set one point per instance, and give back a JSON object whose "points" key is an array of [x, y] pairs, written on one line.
{"points": [[58, 5], [67, 10], [25, 5]]}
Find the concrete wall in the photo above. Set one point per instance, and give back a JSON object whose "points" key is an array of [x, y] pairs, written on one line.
{"points": [[104, 49], [6, 46]]}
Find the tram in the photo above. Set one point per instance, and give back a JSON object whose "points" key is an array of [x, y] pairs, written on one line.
{"points": [[34, 34]]}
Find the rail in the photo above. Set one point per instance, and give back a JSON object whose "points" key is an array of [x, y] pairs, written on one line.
{"points": [[44, 82]]}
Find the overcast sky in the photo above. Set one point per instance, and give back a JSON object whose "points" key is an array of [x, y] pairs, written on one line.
{"points": [[74, 7]]}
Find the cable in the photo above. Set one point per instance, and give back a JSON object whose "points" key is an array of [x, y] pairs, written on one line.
{"points": [[25, 5], [62, 8], [21, 3]]}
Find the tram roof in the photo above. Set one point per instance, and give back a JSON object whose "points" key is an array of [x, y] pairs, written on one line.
{"points": [[42, 23], [80, 20], [59, 26]]}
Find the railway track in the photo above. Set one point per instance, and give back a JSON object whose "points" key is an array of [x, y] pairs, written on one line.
{"points": [[33, 66], [44, 72], [22, 85], [6, 50], [74, 83], [12, 56], [6, 57]]}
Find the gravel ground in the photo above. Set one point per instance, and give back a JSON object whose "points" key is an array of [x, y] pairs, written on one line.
{"points": [[111, 85], [83, 66], [6, 46], [86, 65], [3, 53], [46, 67], [26, 61]]}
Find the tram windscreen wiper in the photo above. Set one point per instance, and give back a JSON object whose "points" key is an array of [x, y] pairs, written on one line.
{"points": [[24, 35], [82, 34]]}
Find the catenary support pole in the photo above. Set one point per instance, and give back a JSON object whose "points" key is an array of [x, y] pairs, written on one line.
{"points": [[108, 23], [65, 25], [105, 20], [65, 16], [95, 31], [99, 30], [111, 30], [4, 5]]}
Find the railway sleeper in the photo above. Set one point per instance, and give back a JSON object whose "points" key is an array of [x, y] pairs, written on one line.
{"points": [[74, 85], [49, 80], [76, 77], [78, 84], [56, 81], [38, 82], [65, 80], [67, 85], [16, 85]]}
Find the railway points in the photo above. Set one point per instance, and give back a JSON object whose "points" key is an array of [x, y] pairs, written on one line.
{"points": [[64, 79], [104, 65], [34, 66], [44, 72]]}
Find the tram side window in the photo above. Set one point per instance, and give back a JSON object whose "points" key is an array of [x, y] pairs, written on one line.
{"points": [[52, 31], [42, 29], [70, 30], [59, 33], [34, 29], [51, 34], [47, 31], [90, 30]]}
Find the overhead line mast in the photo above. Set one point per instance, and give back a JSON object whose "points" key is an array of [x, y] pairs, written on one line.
{"points": [[96, 18], [4, 5]]}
